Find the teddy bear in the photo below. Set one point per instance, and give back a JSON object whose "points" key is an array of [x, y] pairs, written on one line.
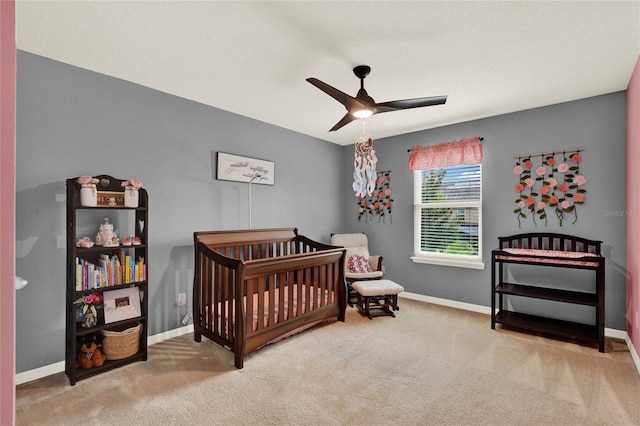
{"points": [[90, 354]]}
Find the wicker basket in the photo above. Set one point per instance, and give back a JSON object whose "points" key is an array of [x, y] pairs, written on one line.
{"points": [[121, 344]]}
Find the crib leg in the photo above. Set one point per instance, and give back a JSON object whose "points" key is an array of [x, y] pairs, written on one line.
{"points": [[239, 361]]}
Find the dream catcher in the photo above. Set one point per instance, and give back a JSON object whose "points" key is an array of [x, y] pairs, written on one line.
{"points": [[364, 165]]}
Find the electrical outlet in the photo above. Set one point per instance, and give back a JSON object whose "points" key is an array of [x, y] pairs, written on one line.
{"points": [[182, 299]]}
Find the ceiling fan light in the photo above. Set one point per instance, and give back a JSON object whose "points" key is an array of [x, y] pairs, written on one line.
{"points": [[363, 113]]}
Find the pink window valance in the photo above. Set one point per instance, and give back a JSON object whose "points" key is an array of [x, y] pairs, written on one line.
{"points": [[445, 154]]}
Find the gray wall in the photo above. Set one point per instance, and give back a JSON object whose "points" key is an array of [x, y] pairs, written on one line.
{"points": [[72, 122], [596, 124]]}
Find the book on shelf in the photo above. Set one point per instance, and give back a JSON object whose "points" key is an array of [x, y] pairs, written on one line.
{"points": [[109, 270]]}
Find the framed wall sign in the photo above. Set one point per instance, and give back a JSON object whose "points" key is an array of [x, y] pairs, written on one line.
{"points": [[245, 169]]}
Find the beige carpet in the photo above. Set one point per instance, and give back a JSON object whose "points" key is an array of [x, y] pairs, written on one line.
{"points": [[431, 365]]}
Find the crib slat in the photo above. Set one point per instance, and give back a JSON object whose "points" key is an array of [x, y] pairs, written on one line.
{"points": [[299, 293], [282, 285], [221, 299], [291, 285], [271, 291], [260, 289], [206, 291], [324, 285], [250, 308], [309, 284]]}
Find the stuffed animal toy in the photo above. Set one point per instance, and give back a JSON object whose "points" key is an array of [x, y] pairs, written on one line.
{"points": [[90, 354]]}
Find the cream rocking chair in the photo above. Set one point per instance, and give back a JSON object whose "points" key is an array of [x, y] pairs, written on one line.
{"points": [[359, 265]]}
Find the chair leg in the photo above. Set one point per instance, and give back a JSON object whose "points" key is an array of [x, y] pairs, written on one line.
{"points": [[352, 296], [367, 302]]}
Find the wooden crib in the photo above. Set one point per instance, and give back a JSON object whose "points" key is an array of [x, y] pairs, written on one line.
{"points": [[252, 287]]}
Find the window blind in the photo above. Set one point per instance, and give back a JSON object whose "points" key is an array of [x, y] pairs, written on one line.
{"points": [[448, 210]]}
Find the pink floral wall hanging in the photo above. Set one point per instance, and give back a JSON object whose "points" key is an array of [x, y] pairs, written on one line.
{"points": [[550, 183], [379, 203]]}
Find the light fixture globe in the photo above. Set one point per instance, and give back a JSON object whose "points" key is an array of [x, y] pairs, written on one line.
{"points": [[362, 113]]}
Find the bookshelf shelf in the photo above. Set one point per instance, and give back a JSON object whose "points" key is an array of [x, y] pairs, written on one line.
{"points": [[101, 269]]}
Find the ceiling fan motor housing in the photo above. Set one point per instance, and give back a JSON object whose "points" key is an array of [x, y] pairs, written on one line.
{"points": [[361, 71]]}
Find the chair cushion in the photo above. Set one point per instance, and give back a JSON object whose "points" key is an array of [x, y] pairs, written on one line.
{"points": [[358, 264], [352, 276], [377, 287], [350, 240]]}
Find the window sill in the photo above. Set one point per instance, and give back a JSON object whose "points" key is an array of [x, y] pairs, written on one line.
{"points": [[459, 263]]}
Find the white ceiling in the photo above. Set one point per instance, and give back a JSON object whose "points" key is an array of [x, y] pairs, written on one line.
{"points": [[252, 58]]}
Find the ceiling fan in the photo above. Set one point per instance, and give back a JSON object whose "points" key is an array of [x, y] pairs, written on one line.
{"points": [[363, 105]]}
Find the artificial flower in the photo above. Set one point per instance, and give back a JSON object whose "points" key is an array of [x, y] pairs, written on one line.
{"points": [[90, 303], [553, 200], [566, 204], [541, 205], [529, 182], [130, 184], [563, 167], [528, 164], [541, 171], [518, 169], [563, 187], [519, 187], [579, 180], [544, 190], [576, 158], [87, 180]]}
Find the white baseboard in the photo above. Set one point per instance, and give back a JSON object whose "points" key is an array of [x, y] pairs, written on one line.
{"points": [[58, 367], [446, 302], [634, 354], [38, 373], [157, 338]]}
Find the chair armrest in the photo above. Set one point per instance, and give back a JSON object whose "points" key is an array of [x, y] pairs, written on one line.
{"points": [[376, 263]]}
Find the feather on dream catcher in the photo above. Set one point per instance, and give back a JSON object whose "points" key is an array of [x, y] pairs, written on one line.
{"points": [[372, 189], [364, 166]]}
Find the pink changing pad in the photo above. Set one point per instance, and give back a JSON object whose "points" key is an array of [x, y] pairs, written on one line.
{"points": [[549, 256]]}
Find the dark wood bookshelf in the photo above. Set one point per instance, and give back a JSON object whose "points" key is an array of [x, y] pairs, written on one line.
{"points": [[74, 330]]}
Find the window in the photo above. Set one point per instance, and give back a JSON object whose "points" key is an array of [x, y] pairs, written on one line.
{"points": [[448, 216]]}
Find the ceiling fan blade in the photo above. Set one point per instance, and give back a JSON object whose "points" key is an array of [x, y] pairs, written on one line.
{"points": [[348, 118], [349, 102], [331, 91], [410, 103]]}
